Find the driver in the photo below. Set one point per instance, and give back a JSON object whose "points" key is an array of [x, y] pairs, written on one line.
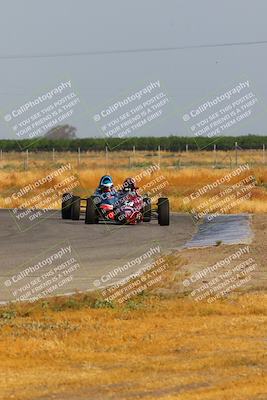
{"points": [[106, 196], [130, 202], [106, 191], [129, 188]]}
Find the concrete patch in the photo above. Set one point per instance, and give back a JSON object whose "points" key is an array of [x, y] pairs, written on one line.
{"points": [[227, 229]]}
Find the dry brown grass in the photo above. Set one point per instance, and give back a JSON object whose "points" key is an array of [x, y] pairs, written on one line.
{"points": [[152, 348], [196, 172]]}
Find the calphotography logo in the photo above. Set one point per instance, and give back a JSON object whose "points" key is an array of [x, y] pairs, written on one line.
{"points": [[49, 274], [42, 114], [130, 114], [32, 203], [127, 267], [220, 114]]}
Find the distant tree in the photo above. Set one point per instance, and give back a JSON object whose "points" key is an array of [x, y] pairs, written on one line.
{"points": [[61, 132]]}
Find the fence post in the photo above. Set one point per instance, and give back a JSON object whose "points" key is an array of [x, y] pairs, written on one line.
{"points": [[186, 148], [159, 153], [26, 160], [53, 154], [1, 154], [106, 158], [230, 161], [79, 156], [133, 155], [215, 155], [263, 154], [236, 146]]}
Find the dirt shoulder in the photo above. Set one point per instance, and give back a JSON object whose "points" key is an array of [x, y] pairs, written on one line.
{"points": [[212, 266]]}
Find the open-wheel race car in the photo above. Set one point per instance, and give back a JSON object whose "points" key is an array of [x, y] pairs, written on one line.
{"points": [[123, 212]]}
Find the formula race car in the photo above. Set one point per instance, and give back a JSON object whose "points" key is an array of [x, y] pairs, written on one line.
{"points": [[125, 211]]}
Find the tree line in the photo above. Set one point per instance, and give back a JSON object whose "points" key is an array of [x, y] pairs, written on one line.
{"points": [[170, 143]]}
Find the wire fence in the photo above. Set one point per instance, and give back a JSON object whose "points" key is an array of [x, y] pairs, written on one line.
{"points": [[107, 159]]}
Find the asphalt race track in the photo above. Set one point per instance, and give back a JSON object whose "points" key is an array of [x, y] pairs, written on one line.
{"points": [[98, 249]]}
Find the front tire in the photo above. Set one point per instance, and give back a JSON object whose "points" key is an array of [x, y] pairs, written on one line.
{"points": [[76, 208], [163, 211], [91, 216], [147, 212], [66, 205]]}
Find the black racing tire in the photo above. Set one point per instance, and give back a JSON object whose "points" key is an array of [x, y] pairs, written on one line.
{"points": [[163, 211], [147, 211], [91, 214], [66, 205], [76, 208]]}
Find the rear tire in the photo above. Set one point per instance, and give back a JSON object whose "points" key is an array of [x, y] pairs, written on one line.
{"points": [[163, 211], [66, 206], [91, 216], [75, 208], [147, 210]]}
